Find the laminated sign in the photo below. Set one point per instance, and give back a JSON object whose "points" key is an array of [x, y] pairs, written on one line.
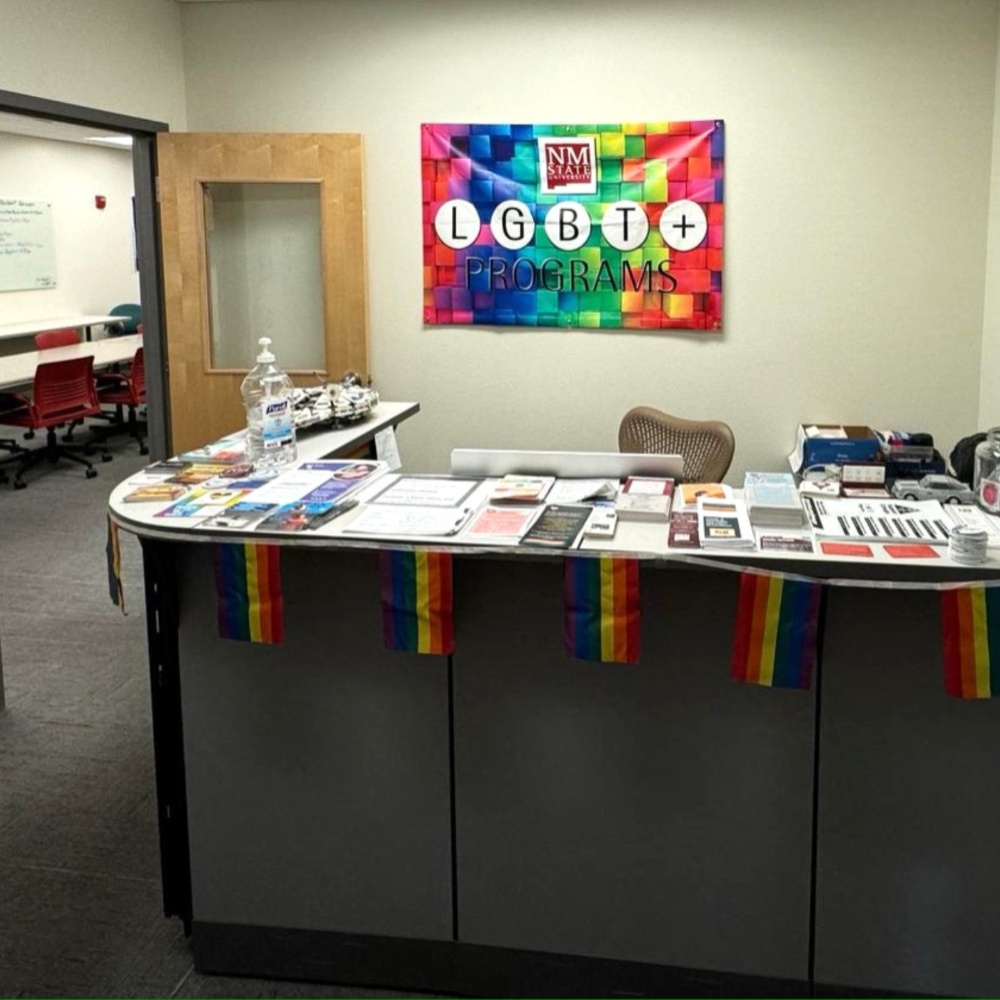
{"points": [[598, 226]]}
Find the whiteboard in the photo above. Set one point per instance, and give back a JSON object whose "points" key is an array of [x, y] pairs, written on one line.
{"points": [[27, 245]]}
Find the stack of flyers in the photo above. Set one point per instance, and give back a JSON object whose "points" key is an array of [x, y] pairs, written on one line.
{"points": [[203, 503]]}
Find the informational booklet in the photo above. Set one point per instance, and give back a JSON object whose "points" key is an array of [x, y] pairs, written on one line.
{"points": [[784, 543], [502, 525], [688, 493], [394, 520], [299, 516], [427, 491], [521, 489], [243, 514], [578, 490], [156, 493], [645, 498], [724, 524], [559, 526], [683, 530], [226, 451], [202, 503], [195, 473], [772, 499]]}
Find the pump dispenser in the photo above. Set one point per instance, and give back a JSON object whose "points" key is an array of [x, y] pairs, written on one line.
{"points": [[268, 397]]}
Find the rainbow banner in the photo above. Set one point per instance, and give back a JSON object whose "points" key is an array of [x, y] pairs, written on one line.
{"points": [[251, 606], [601, 598], [777, 623], [588, 226], [113, 552], [416, 591], [970, 633]]}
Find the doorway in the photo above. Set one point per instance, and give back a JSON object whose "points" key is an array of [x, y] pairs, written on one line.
{"points": [[143, 134]]}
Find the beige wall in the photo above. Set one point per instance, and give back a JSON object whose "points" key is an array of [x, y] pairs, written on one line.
{"points": [[859, 140], [94, 248], [859, 137], [989, 388], [117, 55]]}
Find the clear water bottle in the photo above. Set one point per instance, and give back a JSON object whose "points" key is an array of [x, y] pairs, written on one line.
{"points": [[268, 396]]}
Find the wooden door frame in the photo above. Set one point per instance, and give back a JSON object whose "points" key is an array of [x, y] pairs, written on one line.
{"points": [[147, 237]]}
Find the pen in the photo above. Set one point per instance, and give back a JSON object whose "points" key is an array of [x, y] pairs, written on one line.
{"points": [[463, 517], [333, 512]]}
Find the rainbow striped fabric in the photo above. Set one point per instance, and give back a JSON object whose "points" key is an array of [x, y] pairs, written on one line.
{"points": [[251, 606], [970, 633], [114, 557], [776, 631], [601, 598], [417, 601]]}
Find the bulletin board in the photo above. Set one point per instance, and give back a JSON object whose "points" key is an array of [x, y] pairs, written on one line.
{"points": [[27, 245]]}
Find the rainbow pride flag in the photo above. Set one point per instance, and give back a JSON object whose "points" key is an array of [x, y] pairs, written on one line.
{"points": [[775, 640], [970, 633], [416, 591], [251, 606], [601, 597], [113, 552]]}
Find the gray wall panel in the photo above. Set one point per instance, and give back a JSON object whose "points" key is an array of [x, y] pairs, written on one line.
{"points": [[657, 812], [908, 892], [317, 770]]}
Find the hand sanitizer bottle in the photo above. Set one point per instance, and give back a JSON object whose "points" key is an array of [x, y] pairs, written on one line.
{"points": [[268, 396]]}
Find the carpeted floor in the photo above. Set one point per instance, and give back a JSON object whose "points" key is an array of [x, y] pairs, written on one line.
{"points": [[80, 908]]}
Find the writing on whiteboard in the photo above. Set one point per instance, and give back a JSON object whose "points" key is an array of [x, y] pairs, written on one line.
{"points": [[27, 245]]}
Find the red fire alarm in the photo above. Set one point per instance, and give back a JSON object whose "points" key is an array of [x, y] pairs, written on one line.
{"points": [[100, 201]]}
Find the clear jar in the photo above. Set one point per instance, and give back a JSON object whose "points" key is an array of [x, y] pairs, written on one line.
{"points": [[986, 471]]}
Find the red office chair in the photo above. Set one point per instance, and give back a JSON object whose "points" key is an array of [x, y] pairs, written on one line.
{"points": [[125, 389], [63, 391], [57, 338]]}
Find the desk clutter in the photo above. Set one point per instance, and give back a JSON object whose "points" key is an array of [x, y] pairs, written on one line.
{"points": [[216, 489]]}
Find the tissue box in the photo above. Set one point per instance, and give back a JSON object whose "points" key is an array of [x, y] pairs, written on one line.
{"points": [[815, 444]]}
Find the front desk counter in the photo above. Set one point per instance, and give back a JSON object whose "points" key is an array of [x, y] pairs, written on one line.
{"points": [[507, 821]]}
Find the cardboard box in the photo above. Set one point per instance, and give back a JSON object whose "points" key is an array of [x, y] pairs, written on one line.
{"points": [[823, 444]]}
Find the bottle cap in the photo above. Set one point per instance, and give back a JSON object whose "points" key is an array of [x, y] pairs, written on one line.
{"points": [[265, 355]]}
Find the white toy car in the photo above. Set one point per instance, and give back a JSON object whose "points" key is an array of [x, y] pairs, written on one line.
{"points": [[934, 487]]}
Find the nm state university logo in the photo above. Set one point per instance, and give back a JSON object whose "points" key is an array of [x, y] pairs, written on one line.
{"points": [[567, 164]]}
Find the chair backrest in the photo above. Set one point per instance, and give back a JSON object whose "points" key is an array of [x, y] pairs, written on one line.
{"points": [[131, 317], [706, 445], [64, 390], [57, 338], [138, 376]]}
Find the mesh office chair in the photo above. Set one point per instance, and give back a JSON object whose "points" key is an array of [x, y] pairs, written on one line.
{"points": [[707, 446], [131, 317], [57, 338], [125, 390], [63, 391]]}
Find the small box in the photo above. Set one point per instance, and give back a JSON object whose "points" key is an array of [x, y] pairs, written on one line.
{"points": [[833, 444]]}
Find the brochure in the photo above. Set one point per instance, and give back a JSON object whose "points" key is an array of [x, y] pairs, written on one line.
{"points": [[559, 526], [156, 493], [521, 489]]}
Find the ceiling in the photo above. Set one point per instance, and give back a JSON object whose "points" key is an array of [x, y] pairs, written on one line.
{"points": [[43, 128]]}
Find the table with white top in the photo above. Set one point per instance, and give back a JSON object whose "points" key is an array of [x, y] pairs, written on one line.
{"points": [[29, 327], [508, 821], [19, 369]]}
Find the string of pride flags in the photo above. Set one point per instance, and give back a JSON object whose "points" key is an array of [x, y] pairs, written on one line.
{"points": [[776, 635]]}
